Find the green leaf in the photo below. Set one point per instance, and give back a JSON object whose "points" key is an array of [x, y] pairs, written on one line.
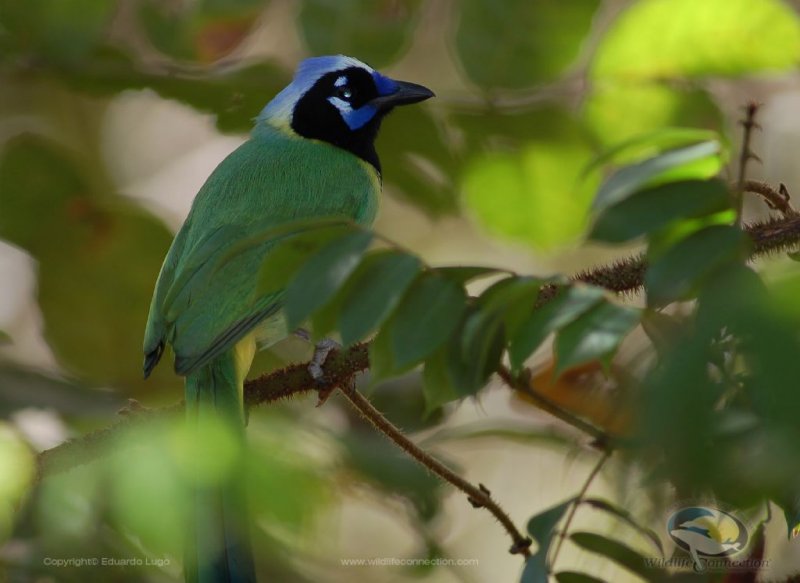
{"points": [[535, 571], [509, 300], [4, 337], [595, 335], [630, 179], [619, 553], [290, 248], [317, 229], [327, 319], [319, 278], [375, 31], [627, 517], [475, 351], [539, 39], [559, 312], [651, 209], [531, 194], [699, 39], [542, 528], [681, 270], [437, 384], [425, 318], [381, 358], [576, 577], [463, 275], [478, 347], [376, 291], [646, 145], [623, 111]]}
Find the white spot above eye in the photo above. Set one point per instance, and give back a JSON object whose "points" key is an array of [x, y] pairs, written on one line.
{"points": [[341, 81]]}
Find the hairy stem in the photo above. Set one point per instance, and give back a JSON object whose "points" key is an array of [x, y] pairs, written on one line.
{"points": [[746, 154], [479, 496]]}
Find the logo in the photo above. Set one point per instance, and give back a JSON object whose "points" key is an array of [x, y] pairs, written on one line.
{"points": [[707, 532]]}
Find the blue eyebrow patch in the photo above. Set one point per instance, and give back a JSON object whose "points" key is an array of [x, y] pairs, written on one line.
{"points": [[358, 118], [383, 84]]}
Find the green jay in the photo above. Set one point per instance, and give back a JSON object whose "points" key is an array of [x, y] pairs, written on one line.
{"points": [[311, 154]]}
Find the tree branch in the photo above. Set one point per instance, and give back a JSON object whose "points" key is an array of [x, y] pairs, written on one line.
{"points": [[479, 497], [746, 154], [775, 199]]}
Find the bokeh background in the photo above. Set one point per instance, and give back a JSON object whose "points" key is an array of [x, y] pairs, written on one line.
{"points": [[114, 112]]}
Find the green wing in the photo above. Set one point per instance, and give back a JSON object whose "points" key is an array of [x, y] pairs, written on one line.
{"points": [[205, 298]]}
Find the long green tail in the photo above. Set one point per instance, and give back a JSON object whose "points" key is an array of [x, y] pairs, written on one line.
{"points": [[217, 547]]}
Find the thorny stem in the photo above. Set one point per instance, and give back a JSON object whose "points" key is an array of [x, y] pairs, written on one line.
{"points": [[479, 497], [745, 156], [574, 508]]}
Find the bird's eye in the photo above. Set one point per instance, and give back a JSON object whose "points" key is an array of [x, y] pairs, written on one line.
{"points": [[344, 92]]}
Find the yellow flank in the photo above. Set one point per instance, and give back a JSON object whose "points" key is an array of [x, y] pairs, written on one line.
{"points": [[243, 353]]}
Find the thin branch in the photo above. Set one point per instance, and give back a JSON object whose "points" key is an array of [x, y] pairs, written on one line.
{"points": [[775, 199], [578, 499], [522, 385], [627, 275], [479, 497], [745, 156]]}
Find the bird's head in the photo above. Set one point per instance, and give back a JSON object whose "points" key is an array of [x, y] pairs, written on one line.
{"points": [[340, 100]]}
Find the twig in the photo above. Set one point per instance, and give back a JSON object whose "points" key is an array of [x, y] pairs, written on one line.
{"points": [[479, 497], [745, 156], [601, 439], [574, 508], [775, 199]]}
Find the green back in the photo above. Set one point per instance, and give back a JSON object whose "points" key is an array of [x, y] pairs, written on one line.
{"points": [[202, 308]]}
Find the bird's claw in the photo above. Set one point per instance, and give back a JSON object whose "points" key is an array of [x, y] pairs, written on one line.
{"points": [[322, 350]]}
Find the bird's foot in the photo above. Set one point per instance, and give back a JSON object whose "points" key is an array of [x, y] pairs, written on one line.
{"points": [[322, 350]]}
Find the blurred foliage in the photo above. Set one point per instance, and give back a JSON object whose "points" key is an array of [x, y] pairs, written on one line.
{"points": [[378, 29], [539, 40], [556, 122], [202, 31]]}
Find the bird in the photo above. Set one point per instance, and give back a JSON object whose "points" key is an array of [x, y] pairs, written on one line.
{"points": [[311, 154]]}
